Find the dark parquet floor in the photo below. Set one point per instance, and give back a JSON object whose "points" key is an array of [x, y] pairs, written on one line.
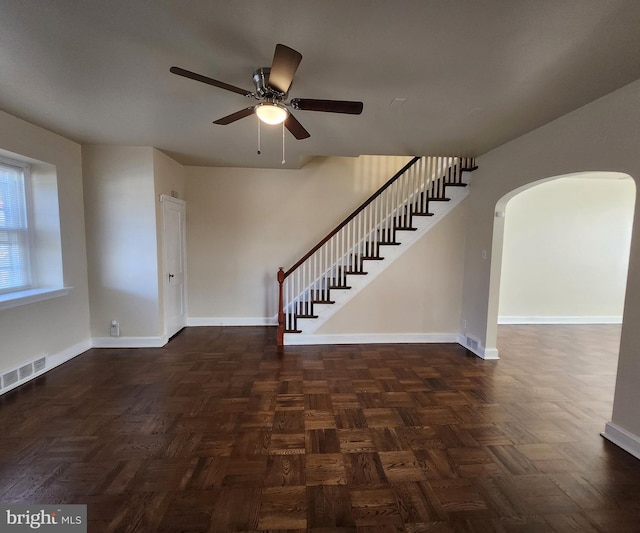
{"points": [[217, 432]]}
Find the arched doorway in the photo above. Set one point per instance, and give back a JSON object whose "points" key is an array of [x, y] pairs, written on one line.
{"points": [[499, 243]]}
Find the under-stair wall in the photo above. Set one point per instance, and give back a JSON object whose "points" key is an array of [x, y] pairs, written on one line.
{"points": [[417, 298]]}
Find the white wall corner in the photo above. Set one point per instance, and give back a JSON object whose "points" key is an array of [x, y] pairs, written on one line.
{"points": [[622, 438]]}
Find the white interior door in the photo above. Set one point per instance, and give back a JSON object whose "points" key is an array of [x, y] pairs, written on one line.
{"points": [[174, 246]]}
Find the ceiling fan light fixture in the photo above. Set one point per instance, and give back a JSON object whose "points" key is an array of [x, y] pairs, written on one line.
{"points": [[272, 113]]}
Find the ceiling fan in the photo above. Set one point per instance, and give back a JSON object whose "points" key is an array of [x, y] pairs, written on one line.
{"points": [[271, 90]]}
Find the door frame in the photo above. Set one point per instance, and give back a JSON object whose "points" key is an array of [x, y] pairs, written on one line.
{"points": [[165, 200]]}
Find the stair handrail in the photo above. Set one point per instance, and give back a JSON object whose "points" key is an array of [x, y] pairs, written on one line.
{"points": [[353, 215]]}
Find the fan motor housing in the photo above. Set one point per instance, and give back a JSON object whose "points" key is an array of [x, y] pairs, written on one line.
{"points": [[261, 81]]}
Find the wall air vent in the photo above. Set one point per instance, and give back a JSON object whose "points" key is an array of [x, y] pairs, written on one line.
{"points": [[40, 364], [10, 378], [18, 376], [25, 371], [472, 344]]}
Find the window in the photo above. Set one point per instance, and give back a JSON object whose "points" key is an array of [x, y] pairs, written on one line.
{"points": [[31, 268], [15, 262]]}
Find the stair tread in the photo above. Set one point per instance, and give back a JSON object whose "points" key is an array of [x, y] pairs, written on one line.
{"points": [[439, 199], [469, 169], [323, 301], [405, 228], [305, 316], [389, 243], [421, 214], [339, 287], [293, 331], [456, 184], [372, 257]]}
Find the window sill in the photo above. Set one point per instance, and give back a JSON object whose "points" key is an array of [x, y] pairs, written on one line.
{"points": [[14, 299]]}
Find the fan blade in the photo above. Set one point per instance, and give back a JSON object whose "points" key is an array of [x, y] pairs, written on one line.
{"points": [[296, 129], [204, 79], [328, 106], [234, 116], [283, 68]]}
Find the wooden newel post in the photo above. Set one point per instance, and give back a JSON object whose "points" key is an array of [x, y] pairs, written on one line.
{"points": [[280, 333]]}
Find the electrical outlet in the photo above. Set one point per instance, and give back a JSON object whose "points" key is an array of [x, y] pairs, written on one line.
{"points": [[115, 328]]}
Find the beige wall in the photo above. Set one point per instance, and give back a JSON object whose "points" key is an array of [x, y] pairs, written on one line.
{"points": [[566, 250], [123, 185], [242, 224], [420, 293], [601, 136], [59, 326], [122, 251]]}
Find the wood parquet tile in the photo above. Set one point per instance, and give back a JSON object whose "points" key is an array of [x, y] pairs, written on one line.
{"points": [[218, 432]]}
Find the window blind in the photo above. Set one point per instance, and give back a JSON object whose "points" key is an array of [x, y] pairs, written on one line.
{"points": [[14, 231]]}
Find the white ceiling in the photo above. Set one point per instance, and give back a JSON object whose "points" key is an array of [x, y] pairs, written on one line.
{"points": [[473, 74]]}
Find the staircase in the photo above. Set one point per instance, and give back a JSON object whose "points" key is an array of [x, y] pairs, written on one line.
{"points": [[366, 242]]}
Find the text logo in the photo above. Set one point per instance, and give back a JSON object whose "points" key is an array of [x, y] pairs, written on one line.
{"points": [[67, 518]]}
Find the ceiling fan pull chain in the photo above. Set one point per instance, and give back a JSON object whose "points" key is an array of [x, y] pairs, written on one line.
{"points": [[283, 161], [259, 152]]}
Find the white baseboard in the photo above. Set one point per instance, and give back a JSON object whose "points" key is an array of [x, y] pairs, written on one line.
{"points": [[232, 321], [129, 342], [489, 354], [53, 360], [621, 437], [559, 320], [475, 346], [300, 339], [69, 353]]}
